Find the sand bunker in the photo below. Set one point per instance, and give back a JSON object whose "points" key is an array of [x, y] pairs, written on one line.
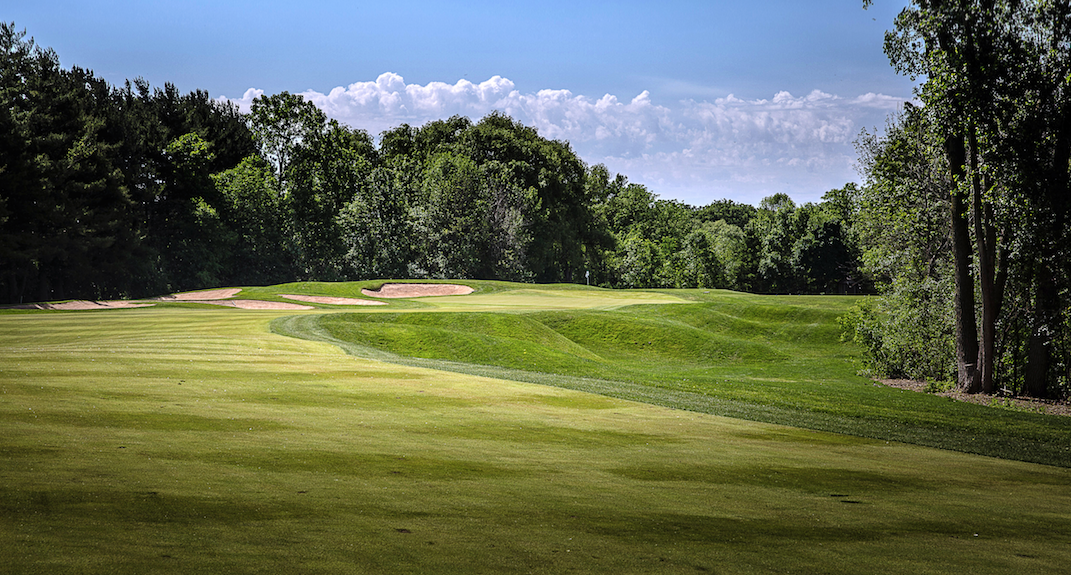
{"points": [[202, 295], [252, 304], [332, 300], [214, 297], [79, 305], [221, 297], [417, 290]]}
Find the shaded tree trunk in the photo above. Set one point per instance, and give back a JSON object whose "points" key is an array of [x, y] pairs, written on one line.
{"points": [[1039, 345], [985, 246], [967, 372], [1046, 316]]}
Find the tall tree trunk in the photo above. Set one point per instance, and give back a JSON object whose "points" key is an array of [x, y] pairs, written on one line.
{"points": [[1039, 345], [985, 240], [968, 376], [1046, 321]]}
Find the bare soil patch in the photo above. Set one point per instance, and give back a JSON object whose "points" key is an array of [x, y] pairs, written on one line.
{"points": [[1046, 406], [332, 300], [417, 290]]}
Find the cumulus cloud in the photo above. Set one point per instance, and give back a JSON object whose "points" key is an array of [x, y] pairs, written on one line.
{"points": [[695, 151]]}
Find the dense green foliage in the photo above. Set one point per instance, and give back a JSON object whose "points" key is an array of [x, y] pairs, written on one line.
{"points": [[131, 191], [903, 229], [965, 220], [777, 247], [105, 191]]}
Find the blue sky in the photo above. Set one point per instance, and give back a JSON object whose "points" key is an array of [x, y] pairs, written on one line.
{"points": [[697, 100]]}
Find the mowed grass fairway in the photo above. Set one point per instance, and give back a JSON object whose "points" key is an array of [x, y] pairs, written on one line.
{"points": [[189, 439]]}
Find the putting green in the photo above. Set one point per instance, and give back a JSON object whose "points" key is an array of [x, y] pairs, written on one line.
{"points": [[189, 440]]}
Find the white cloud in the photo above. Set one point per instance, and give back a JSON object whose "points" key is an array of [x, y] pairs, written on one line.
{"points": [[695, 151], [246, 100]]}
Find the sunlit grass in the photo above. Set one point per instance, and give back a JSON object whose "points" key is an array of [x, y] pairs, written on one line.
{"points": [[184, 440]]}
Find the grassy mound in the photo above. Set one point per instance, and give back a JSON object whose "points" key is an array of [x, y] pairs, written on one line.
{"points": [[772, 359]]}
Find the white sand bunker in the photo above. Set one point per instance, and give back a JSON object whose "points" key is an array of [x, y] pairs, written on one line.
{"points": [[252, 304], [79, 305], [214, 297], [332, 300], [214, 294], [220, 297], [417, 290]]}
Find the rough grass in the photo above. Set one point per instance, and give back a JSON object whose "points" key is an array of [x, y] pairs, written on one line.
{"points": [[185, 440]]}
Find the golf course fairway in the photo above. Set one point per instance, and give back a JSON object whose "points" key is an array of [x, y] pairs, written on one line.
{"points": [[192, 438]]}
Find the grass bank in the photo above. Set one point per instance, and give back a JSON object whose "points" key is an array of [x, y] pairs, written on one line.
{"points": [[776, 359]]}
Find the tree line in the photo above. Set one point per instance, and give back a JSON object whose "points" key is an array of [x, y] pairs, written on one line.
{"points": [[964, 219], [134, 191]]}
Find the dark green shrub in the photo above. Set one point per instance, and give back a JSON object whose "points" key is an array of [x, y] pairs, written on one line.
{"points": [[906, 333]]}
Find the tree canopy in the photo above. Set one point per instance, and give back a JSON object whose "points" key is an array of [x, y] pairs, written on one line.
{"points": [[976, 183], [133, 191]]}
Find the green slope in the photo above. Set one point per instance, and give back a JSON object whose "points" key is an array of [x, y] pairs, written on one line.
{"points": [[774, 359]]}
